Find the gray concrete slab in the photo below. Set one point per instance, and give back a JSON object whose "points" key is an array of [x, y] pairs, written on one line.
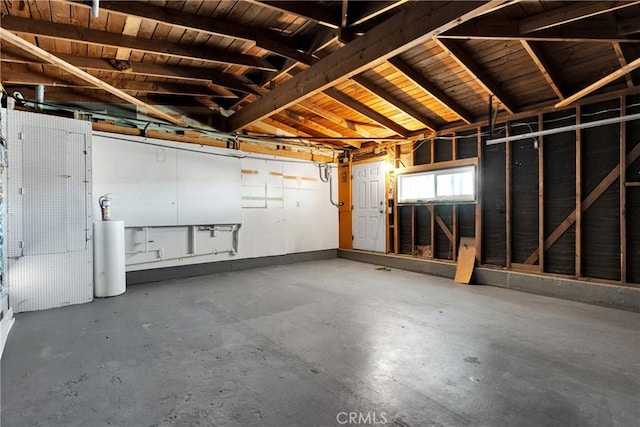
{"points": [[309, 343]]}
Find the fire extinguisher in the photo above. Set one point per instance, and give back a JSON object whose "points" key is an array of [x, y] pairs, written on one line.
{"points": [[105, 207]]}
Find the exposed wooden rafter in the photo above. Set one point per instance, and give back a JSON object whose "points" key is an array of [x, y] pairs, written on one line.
{"points": [[306, 10], [367, 112], [543, 65], [264, 38], [230, 81], [463, 58], [24, 78], [104, 38], [572, 12], [335, 118], [310, 124], [395, 101], [424, 83], [46, 56], [508, 29], [629, 26], [600, 83], [370, 10], [410, 27]]}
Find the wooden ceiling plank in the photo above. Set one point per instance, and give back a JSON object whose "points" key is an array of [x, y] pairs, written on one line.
{"points": [[372, 9], [230, 81], [570, 13], [266, 39], [103, 38], [466, 62], [410, 27], [629, 26], [334, 118], [600, 83], [52, 59], [131, 27], [393, 100], [507, 29], [367, 112], [306, 10], [543, 65], [623, 61], [424, 83]]}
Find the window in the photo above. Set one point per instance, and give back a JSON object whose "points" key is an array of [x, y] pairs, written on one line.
{"points": [[444, 185]]}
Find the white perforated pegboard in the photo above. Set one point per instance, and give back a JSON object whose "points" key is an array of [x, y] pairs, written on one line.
{"points": [[49, 226]]}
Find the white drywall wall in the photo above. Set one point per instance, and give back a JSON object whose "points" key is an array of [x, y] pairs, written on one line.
{"points": [[285, 207]]}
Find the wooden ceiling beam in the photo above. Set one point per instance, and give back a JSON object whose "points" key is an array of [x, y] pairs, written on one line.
{"points": [[307, 10], [371, 9], [600, 83], [507, 29], [395, 101], [52, 59], [470, 66], [25, 78], [265, 39], [367, 112], [543, 65], [103, 38], [410, 27], [570, 13], [623, 62], [335, 118], [425, 84], [230, 81], [306, 122]]}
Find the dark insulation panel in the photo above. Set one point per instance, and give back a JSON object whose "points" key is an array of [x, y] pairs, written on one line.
{"points": [[444, 247], [559, 192], [467, 144], [423, 225], [466, 221], [601, 222], [444, 150], [524, 194], [422, 152], [404, 220], [633, 196], [492, 193]]}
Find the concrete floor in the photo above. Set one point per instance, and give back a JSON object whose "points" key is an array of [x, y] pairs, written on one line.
{"points": [[309, 343]]}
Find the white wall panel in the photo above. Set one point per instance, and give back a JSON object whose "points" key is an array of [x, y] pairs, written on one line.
{"points": [[49, 187]]}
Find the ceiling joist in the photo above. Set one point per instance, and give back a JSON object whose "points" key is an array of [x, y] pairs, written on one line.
{"points": [[52, 59]]}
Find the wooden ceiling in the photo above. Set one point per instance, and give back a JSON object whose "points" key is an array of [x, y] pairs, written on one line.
{"points": [[339, 72]]}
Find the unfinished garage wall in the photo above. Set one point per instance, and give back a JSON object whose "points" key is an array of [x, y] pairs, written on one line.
{"points": [[561, 192], [186, 204]]}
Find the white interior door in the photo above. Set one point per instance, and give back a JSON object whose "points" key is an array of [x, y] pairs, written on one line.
{"points": [[369, 207]]}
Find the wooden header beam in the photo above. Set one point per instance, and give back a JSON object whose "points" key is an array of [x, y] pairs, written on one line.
{"points": [[410, 27], [52, 59]]}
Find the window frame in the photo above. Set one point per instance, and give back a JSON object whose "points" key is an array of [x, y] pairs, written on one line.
{"points": [[436, 169]]}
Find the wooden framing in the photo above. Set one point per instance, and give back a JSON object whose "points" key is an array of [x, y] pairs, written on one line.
{"points": [[578, 210], [541, 194], [623, 62], [623, 193], [478, 225], [507, 177], [543, 65]]}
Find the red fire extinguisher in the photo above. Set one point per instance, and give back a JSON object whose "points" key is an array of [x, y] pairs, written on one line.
{"points": [[105, 207]]}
